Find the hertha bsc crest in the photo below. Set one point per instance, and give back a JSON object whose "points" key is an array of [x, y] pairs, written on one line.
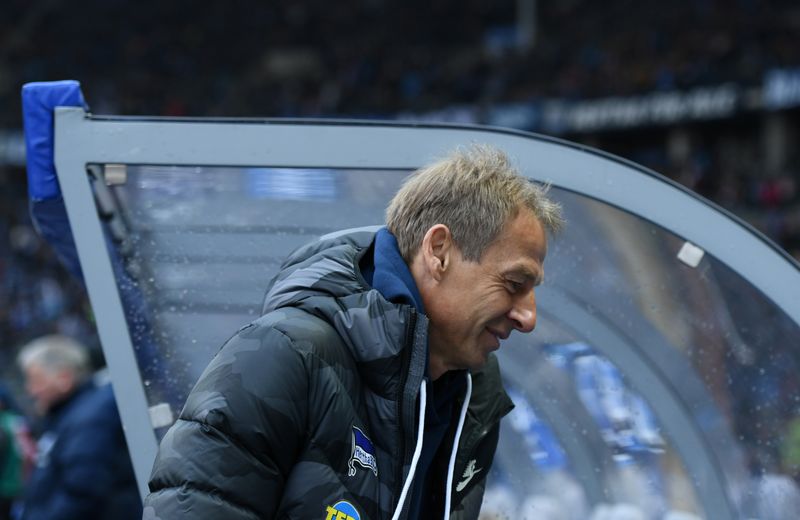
{"points": [[363, 453]]}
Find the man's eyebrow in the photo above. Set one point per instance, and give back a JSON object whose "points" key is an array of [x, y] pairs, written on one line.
{"points": [[531, 274]]}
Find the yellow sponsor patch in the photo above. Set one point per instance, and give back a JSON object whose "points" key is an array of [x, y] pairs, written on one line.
{"points": [[342, 510]]}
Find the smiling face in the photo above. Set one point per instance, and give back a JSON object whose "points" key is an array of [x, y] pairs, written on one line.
{"points": [[473, 305]]}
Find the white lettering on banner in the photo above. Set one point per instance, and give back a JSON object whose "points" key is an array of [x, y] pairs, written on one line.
{"points": [[658, 108]]}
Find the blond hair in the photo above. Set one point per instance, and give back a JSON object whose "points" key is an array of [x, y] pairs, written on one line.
{"points": [[474, 192]]}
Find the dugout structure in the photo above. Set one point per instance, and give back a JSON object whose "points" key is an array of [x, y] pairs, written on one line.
{"points": [[658, 372]]}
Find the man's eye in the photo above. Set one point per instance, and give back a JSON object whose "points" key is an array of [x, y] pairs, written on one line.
{"points": [[515, 286]]}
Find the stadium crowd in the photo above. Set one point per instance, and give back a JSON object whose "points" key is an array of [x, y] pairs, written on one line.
{"points": [[375, 58]]}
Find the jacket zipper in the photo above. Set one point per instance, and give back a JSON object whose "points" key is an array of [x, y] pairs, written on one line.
{"points": [[459, 431], [408, 485], [407, 352]]}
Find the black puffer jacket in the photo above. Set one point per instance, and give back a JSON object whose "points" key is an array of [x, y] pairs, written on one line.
{"points": [[312, 411]]}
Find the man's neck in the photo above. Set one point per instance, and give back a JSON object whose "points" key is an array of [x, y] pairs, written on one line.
{"points": [[436, 367]]}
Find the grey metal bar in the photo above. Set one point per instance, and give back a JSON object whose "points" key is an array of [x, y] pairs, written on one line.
{"points": [[71, 160]]}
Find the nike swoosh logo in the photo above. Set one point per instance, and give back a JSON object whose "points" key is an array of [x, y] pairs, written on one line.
{"points": [[461, 485]]}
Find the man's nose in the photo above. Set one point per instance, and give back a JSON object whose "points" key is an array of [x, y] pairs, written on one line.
{"points": [[523, 313]]}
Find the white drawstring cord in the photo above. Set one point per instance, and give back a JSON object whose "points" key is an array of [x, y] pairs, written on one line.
{"points": [[449, 487], [423, 400]]}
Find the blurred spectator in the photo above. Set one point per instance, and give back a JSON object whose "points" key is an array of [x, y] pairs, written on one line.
{"points": [[83, 468], [16, 452]]}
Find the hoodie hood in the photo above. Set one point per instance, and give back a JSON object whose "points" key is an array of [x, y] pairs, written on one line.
{"points": [[324, 279]]}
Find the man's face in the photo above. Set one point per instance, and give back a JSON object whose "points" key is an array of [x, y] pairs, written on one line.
{"points": [[47, 387], [476, 304]]}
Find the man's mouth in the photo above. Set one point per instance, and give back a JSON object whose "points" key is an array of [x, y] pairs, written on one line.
{"points": [[498, 336]]}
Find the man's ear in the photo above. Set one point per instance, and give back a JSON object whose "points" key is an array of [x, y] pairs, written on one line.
{"points": [[437, 248]]}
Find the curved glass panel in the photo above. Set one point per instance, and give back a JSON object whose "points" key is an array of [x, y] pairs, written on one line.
{"points": [[701, 354], [581, 443], [200, 246]]}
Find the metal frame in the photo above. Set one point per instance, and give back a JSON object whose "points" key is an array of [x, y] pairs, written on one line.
{"points": [[81, 140]]}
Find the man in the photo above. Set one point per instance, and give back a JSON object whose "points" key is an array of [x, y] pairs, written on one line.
{"points": [[82, 469], [368, 389]]}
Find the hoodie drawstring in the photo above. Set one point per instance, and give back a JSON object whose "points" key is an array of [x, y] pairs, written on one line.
{"points": [[423, 399]]}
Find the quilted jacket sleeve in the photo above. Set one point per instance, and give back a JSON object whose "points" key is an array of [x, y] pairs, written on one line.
{"points": [[242, 428]]}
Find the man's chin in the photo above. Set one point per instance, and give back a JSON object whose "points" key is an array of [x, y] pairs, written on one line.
{"points": [[480, 361]]}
